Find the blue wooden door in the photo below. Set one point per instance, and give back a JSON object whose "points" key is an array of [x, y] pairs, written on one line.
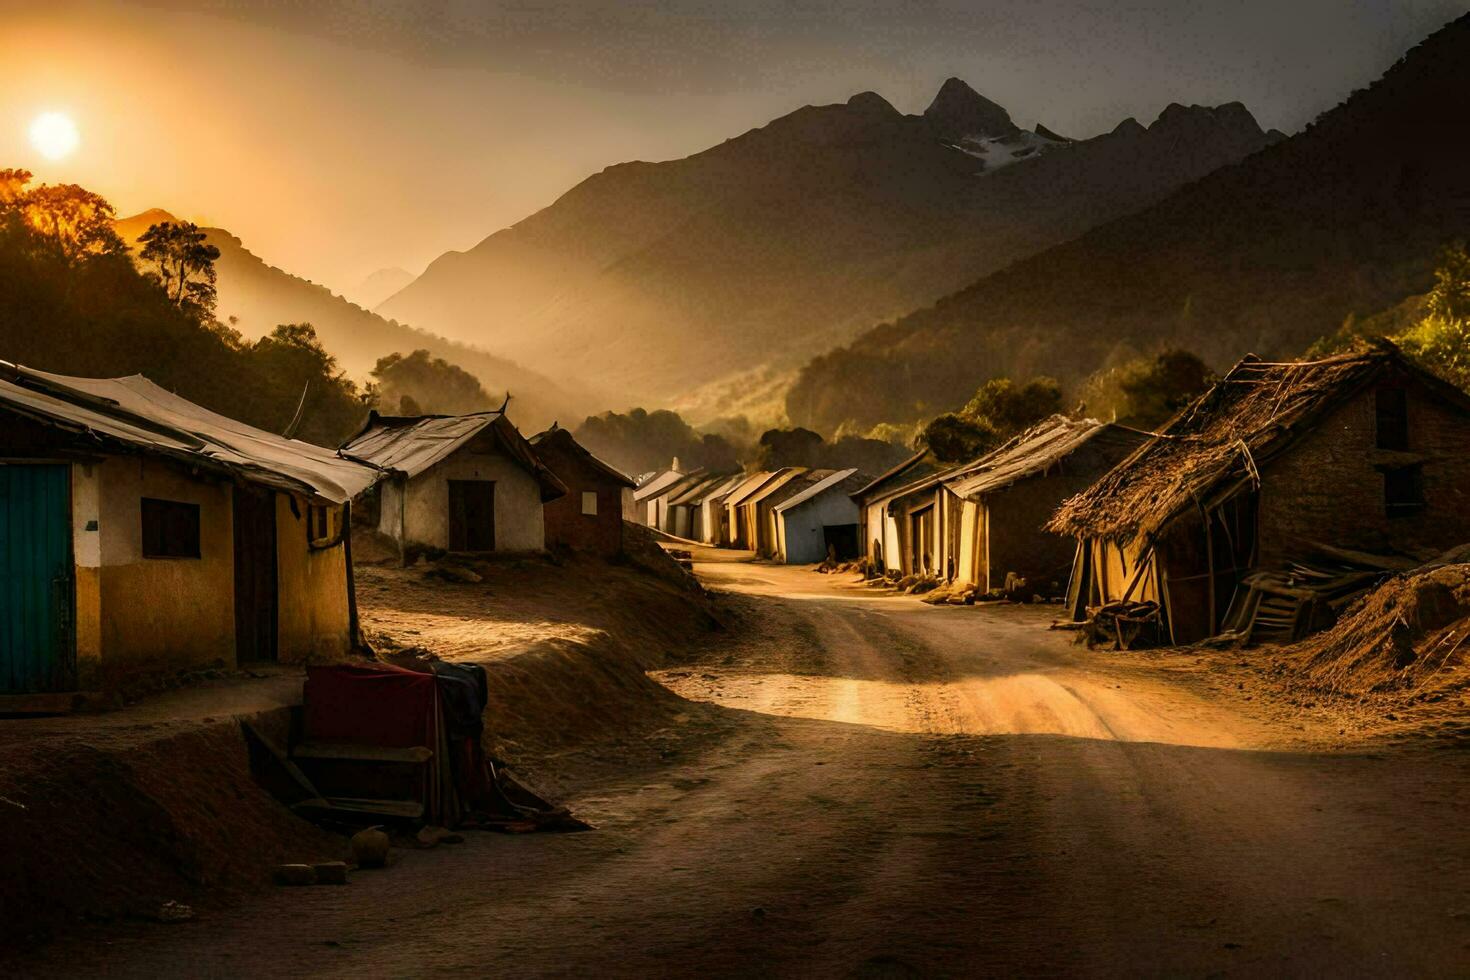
{"points": [[36, 586]]}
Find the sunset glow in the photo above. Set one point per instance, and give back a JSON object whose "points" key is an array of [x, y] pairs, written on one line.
{"points": [[54, 135]]}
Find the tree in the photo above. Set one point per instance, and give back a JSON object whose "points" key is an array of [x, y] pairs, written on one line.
{"points": [[427, 384], [70, 221], [789, 447], [957, 438], [1008, 408], [1146, 391], [183, 264], [1440, 341]]}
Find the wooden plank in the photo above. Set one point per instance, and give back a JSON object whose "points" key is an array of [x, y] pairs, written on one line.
{"points": [[397, 809], [361, 753], [291, 769]]}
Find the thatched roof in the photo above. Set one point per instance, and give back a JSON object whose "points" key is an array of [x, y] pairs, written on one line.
{"points": [[1205, 452]]}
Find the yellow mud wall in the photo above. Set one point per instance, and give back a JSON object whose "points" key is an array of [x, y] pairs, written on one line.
{"points": [[157, 614], [312, 619], [86, 518]]}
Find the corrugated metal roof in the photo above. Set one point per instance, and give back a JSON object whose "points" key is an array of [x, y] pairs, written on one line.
{"points": [[820, 486], [410, 445], [774, 485], [134, 413]]}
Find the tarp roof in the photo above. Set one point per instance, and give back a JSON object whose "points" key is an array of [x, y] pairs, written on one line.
{"points": [[408, 445], [134, 414], [1258, 410], [564, 440], [1034, 451], [831, 481]]}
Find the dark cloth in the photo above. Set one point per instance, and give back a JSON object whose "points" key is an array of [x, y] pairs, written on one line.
{"points": [[370, 705], [463, 691]]}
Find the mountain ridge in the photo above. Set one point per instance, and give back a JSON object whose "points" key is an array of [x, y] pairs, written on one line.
{"points": [[776, 244], [1265, 255]]}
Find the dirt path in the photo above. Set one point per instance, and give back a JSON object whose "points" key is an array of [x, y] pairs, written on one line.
{"points": [[890, 789]]}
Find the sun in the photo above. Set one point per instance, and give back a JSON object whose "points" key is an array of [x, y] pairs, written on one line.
{"points": [[54, 135]]}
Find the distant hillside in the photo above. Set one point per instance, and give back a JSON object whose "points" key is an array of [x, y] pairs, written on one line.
{"points": [[1266, 255], [259, 296], [379, 286], [663, 281]]}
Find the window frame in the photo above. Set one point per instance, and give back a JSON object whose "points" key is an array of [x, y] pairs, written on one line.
{"points": [[1407, 499], [158, 520], [592, 494]]}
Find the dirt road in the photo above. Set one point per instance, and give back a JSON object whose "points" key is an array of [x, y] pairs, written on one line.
{"points": [[875, 787]]}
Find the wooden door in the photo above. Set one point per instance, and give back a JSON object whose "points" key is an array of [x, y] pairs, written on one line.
{"points": [[37, 590], [471, 515], [256, 599]]}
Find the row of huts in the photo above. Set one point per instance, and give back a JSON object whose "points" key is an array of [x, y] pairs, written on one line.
{"points": [[1257, 510], [796, 514], [142, 534]]}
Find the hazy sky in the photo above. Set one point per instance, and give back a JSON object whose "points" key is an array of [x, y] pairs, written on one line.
{"points": [[339, 138]]}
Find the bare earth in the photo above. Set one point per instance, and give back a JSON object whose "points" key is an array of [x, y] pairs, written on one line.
{"points": [[875, 787]]}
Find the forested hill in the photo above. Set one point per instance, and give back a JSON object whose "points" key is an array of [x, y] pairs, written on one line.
{"points": [[1344, 218], [660, 278], [257, 297]]}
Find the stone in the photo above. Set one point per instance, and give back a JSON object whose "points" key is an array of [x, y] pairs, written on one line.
{"points": [[295, 874], [370, 848]]}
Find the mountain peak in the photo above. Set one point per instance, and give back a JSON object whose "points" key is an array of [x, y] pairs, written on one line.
{"points": [[872, 102], [1231, 116], [958, 111]]}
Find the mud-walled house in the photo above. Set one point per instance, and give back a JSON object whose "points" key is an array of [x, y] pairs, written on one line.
{"points": [[820, 520], [738, 532], [687, 511], [651, 497], [1263, 494], [462, 483], [713, 517], [142, 534], [997, 508], [599, 497], [883, 529], [754, 512]]}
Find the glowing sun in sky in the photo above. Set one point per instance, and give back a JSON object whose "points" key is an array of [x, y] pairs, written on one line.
{"points": [[54, 135]]}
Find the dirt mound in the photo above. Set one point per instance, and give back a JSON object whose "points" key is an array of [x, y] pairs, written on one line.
{"points": [[121, 824], [1406, 635]]}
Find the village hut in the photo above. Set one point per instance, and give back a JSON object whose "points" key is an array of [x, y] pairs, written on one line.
{"points": [[463, 483], [996, 509], [820, 521], [684, 507], [645, 497], [737, 532], [1256, 500], [755, 510], [660, 504], [713, 520], [145, 534], [599, 496], [879, 528]]}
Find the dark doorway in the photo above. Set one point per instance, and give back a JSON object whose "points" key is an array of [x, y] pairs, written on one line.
{"points": [[471, 515], [255, 574], [841, 541], [37, 590]]}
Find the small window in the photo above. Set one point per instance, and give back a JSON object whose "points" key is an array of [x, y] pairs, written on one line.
{"points": [[1403, 491], [170, 529], [1391, 407], [589, 504], [319, 525]]}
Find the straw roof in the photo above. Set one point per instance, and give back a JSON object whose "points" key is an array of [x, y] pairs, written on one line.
{"points": [[1205, 452]]}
